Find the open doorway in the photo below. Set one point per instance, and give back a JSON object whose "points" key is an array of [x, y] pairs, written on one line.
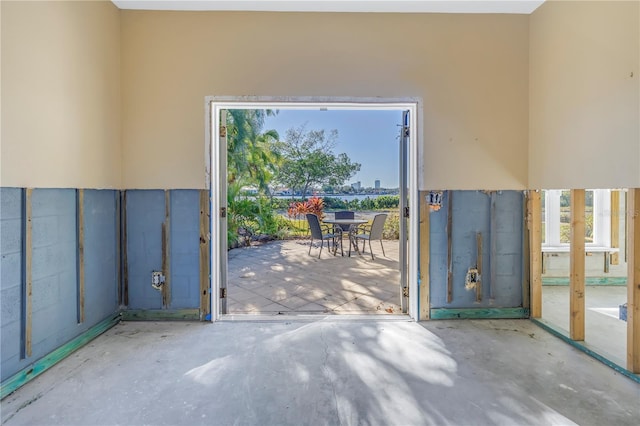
{"points": [[291, 276]]}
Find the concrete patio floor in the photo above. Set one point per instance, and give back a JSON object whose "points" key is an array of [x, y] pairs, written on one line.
{"points": [[280, 277], [339, 370]]}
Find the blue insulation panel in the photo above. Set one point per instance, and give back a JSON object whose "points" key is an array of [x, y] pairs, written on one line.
{"points": [[100, 255], [54, 269], [471, 214], [145, 214], [55, 310], [11, 280], [185, 249]]}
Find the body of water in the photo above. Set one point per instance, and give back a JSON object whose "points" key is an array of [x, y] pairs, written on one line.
{"points": [[340, 197]]}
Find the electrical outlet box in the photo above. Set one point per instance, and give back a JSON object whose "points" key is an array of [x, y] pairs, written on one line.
{"points": [[157, 280]]}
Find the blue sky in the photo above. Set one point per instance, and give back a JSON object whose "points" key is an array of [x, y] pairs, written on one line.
{"points": [[367, 137]]}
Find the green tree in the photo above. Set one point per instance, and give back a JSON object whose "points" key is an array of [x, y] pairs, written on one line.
{"points": [[308, 160], [251, 159]]}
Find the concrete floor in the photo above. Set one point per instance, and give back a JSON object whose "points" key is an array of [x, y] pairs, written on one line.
{"points": [[605, 333], [339, 370], [280, 277]]}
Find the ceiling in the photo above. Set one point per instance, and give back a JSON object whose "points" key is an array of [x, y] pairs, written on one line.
{"points": [[397, 6]]}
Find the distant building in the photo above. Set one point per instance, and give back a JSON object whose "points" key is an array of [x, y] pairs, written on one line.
{"points": [[357, 186], [377, 184]]}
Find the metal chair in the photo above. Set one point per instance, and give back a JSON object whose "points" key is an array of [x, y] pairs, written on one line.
{"points": [[346, 229], [320, 232], [371, 232]]}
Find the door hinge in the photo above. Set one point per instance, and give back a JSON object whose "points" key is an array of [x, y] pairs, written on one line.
{"points": [[406, 212], [223, 131], [223, 212], [223, 293], [405, 291]]}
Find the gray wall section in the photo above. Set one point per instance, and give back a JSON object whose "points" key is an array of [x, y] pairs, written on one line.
{"points": [[145, 215], [54, 270], [472, 214], [185, 249], [11, 279], [100, 254]]}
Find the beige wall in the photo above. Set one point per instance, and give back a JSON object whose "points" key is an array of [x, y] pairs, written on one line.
{"points": [[60, 95], [585, 95], [470, 70]]}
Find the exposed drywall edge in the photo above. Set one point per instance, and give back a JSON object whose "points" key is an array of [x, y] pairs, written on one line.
{"points": [[480, 313], [161, 314], [584, 348], [34, 370]]}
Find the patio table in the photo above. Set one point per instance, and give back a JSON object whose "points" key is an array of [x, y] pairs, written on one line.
{"points": [[351, 223]]}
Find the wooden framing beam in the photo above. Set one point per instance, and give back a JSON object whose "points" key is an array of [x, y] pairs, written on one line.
{"points": [[576, 265], [28, 277], [535, 252], [615, 226], [80, 266], [205, 260], [124, 250], [424, 257], [166, 251], [633, 281], [449, 246]]}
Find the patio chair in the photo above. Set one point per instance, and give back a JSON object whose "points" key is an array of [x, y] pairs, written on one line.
{"points": [[346, 229], [371, 232], [320, 232]]}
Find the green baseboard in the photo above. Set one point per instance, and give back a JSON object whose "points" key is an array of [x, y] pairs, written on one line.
{"points": [[480, 313], [161, 315], [580, 346], [33, 370], [614, 281]]}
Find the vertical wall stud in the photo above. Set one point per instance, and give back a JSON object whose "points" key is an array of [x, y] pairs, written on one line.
{"points": [[166, 250], [424, 257], [615, 226], [28, 255], [525, 253], [577, 260], [633, 281], [493, 248], [449, 247], [479, 266], [80, 258], [535, 252], [118, 232], [124, 250], [205, 261]]}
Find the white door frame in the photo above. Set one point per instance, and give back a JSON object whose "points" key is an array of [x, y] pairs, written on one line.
{"points": [[213, 106]]}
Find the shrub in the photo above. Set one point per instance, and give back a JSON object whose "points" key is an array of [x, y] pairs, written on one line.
{"points": [[391, 230]]}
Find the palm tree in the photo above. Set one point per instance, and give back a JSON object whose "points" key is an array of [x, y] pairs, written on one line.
{"points": [[250, 156]]}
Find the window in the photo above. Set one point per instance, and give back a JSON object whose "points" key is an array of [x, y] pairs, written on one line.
{"points": [[556, 217]]}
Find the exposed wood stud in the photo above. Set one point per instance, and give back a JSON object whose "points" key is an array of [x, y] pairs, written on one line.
{"points": [[633, 281], [479, 267], [526, 253], [424, 257], [449, 247], [493, 249], [125, 261], [615, 227], [577, 261], [28, 257], [166, 250], [80, 242], [535, 252], [205, 260], [118, 231]]}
